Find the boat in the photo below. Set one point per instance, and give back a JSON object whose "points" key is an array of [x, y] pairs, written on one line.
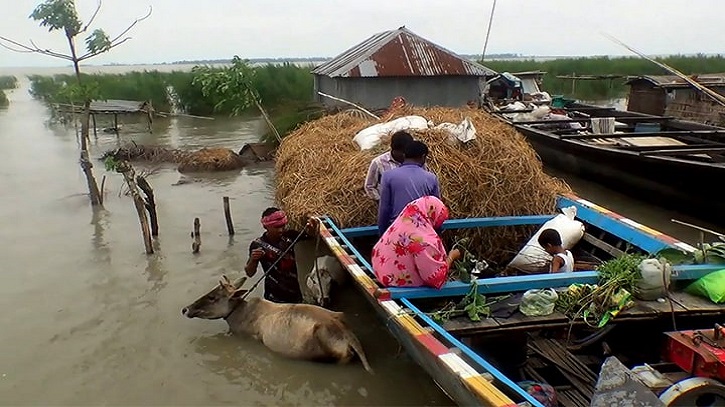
{"points": [[659, 159], [464, 357]]}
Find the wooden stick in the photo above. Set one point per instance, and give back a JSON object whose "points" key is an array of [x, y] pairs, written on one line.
{"points": [[228, 216], [349, 103], [150, 204], [709, 92], [128, 174], [196, 245]]}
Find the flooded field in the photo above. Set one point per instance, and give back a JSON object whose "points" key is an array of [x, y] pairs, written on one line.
{"points": [[89, 319]]}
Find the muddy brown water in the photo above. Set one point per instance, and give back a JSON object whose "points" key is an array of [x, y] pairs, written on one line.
{"points": [[89, 319]]}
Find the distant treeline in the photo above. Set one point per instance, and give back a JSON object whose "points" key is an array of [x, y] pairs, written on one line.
{"points": [[278, 85], [6, 82], [600, 89]]}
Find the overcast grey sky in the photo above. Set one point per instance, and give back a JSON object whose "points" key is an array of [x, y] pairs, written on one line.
{"points": [[186, 30]]}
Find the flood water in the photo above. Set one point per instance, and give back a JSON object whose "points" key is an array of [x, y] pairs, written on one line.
{"points": [[89, 319]]}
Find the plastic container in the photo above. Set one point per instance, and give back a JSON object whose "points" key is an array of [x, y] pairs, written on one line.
{"points": [[647, 127]]}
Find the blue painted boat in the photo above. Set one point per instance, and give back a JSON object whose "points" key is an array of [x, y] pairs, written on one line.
{"points": [[459, 356]]}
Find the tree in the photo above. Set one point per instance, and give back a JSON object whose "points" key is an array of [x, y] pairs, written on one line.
{"points": [[232, 86], [61, 15]]}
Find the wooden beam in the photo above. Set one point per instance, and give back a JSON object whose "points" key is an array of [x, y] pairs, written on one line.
{"points": [[670, 147], [715, 150], [623, 119], [647, 134], [602, 245]]}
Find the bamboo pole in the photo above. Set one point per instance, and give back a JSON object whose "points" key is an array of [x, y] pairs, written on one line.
{"points": [[196, 245], [228, 216], [349, 103], [709, 92]]}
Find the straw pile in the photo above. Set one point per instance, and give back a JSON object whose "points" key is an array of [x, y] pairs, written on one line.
{"points": [[210, 159], [320, 170], [206, 159]]}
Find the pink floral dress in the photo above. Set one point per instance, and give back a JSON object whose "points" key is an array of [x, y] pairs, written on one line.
{"points": [[410, 253]]}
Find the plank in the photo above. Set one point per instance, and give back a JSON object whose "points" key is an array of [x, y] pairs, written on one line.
{"points": [[602, 245], [647, 309], [679, 151], [519, 320], [645, 134], [463, 324], [695, 304]]}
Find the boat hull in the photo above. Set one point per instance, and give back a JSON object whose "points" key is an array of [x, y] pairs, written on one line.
{"points": [[687, 187]]}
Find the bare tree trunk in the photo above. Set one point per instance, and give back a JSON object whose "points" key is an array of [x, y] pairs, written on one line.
{"points": [[228, 216], [86, 165], [150, 204], [128, 174], [196, 245]]}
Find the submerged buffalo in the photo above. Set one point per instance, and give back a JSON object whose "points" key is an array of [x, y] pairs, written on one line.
{"points": [[299, 331]]}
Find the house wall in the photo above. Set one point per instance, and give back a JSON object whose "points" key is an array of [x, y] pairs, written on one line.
{"points": [[693, 105], [379, 92], [645, 98]]}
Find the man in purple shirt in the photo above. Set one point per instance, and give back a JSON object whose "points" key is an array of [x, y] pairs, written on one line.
{"points": [[399, 186]]}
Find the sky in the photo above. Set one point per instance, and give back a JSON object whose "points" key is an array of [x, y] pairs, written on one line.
{"points": [[219, 29]]}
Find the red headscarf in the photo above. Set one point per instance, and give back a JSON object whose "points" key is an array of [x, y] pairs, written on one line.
{"points": [[275, 220]]}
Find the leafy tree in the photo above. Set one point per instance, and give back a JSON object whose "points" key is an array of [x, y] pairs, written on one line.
{"points": [[61, 15]]}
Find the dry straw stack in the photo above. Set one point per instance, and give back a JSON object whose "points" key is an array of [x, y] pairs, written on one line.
{"points": [[320, 170], [203, 160]]}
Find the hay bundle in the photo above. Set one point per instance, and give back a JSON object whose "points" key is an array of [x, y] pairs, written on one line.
{"points": [[320, 170], [210, 159]]}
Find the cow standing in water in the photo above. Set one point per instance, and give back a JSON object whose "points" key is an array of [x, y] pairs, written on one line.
{"points": [[298, 331]]}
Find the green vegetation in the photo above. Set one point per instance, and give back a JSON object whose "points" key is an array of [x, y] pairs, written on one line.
{"points": [[3, 99], [285, 90], [600, 89], [8, 82]]}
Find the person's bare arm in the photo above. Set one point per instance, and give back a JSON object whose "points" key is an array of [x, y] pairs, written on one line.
{"points": [[556, 264]]}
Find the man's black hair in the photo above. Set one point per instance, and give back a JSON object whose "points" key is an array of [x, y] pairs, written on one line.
{"points": [[549, 236], [416, 150], [399, 140], [269, 211]]}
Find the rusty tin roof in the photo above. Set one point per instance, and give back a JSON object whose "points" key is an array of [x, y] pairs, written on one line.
{"points": [[673, 81], [399, 53]]}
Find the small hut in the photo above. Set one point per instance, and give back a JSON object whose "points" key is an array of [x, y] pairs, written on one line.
{"points": [[113, 107], [672, 96], [399, 63]]}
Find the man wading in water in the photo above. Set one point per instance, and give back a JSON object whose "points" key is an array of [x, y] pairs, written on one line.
{"points": [[281, 284]]}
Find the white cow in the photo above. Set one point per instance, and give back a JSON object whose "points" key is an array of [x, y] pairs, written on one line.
{"points": [[329, 269]]}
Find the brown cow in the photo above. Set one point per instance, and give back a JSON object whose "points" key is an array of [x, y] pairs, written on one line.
{"points": [[299, 331]]}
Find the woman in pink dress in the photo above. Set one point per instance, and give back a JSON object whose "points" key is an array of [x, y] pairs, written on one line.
{"points": [[410, 253]]}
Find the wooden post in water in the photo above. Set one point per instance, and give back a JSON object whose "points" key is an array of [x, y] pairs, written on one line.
{"points": [[197, 236], [95, 130], [228, 216], [150, 204], [128, 174]]}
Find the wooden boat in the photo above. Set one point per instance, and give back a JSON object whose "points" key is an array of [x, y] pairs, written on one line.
{"points": [[464, 357], [674, 163]]}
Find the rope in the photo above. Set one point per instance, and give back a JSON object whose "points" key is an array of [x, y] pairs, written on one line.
{"points": [[273, 264], [317, 268]]}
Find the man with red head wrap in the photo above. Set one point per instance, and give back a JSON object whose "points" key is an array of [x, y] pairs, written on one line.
{"points": [[281, 284]]}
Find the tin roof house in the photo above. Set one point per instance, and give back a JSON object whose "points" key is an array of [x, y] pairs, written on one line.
{"points": [[672, 96], [399, 63]]}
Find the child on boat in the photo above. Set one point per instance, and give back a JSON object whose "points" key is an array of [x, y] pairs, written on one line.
{"points": [[562, 261], [410, 253]]}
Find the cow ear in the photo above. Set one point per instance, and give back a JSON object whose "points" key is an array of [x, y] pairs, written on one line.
{"points": [[238, 293]]}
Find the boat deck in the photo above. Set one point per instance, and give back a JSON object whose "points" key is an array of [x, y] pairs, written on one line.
{"points": [[683, 304]]}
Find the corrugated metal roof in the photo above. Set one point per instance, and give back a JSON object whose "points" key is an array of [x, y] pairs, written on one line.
{"points": [[673, 81], [116, 105], [399, 53]]}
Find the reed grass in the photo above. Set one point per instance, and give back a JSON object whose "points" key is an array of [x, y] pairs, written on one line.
{"points": [[600, 89], [3, 99], [8, 82], [285, 90]]}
